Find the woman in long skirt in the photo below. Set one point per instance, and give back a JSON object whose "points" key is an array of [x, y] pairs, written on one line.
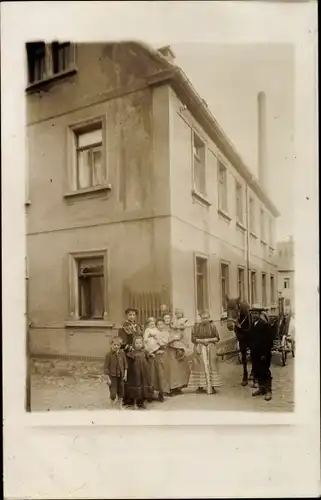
{"points": [[176, 361], [205, 375]]}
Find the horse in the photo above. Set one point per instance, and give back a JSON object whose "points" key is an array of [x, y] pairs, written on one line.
{"points": [[239, 320]]}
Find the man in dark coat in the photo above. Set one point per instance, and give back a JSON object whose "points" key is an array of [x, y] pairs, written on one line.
{"points": [[261, 343]]}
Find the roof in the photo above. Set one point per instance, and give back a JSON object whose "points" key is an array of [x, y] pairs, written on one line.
{"points": [[174, 75]]}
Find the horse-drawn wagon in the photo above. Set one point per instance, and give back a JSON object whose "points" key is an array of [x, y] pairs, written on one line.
{"points": [[282, 345]]}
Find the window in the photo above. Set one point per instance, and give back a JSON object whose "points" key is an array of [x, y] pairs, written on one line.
{"points": [[240, 283], [201, 284], [264, 297], [262, 223], [224, 285], [46, 60], [222, 187], [239, 202], [89, 161], [88, 285], [253, 288], [272, 290], [271, 236], [91, 288], [286, 283], [252, 215], [199, 164]]}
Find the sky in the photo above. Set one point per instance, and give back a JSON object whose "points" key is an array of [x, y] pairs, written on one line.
{"points": [[229, 77]]}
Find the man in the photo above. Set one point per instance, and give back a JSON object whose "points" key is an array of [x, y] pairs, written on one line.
{"points": [[261, 343]]}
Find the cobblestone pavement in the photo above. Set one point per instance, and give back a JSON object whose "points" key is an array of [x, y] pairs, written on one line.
{"points": [[74, 392]]}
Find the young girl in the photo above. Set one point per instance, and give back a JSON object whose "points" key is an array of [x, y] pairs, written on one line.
{"points": [[178, 369], [115, 369], [139, 384], [204, 374]]}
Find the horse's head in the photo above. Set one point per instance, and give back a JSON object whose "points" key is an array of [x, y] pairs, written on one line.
{"points": [[233, 312]]}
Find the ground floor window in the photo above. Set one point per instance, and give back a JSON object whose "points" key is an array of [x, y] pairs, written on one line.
{"points": [[253, 288], [88, 285], [202, 302], [225, 284], [241, 283], [91, 288], [264, 297], [272, 290]]}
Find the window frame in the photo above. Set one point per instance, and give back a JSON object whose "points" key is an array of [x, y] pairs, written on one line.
{"points": [[252, 215], [221, 167], [263, 225], [73, 282], [272, 290], [253, 272], [286, 281], [72, 178], [206, 259], [239, 190], [264, 290], [241, 294], [227, 265], [49, 73], [200, 190]]}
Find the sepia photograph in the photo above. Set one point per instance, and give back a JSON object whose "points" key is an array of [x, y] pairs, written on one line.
{"points": [[160, 249], [160, 256]]}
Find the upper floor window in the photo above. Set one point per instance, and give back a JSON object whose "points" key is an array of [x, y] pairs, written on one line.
{"points": [[286, 283], [271, 235], [89, 157], [252, 215], [222, 187], [262, 224], [239, 202], [87, 163], [46, 61], [199, 164]]}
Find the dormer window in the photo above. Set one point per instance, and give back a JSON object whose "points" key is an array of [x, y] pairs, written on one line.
{"points": [[47, 61]]}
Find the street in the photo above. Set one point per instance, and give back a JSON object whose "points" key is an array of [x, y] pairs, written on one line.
{"points": [[88, 390]]}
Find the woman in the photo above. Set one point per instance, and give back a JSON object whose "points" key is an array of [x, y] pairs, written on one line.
{"points": [[176, 361], [127, 333], [204, 374]]}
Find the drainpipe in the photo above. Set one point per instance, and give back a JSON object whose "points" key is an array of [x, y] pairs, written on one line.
{"points": [[28, 374], [247, 242]]}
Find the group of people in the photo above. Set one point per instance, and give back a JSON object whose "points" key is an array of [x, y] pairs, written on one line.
{"points": [[153, 363]]}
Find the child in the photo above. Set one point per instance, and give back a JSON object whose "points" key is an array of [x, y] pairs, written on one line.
{"points": [[152, 337], [115, 369], [204, 373], [157, 363], [139, 385]]}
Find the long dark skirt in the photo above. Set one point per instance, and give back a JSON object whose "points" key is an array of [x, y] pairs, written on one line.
{"points": [[139, 385], [158, 372]]}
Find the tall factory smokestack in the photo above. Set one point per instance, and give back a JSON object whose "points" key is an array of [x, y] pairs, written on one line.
{"points": [[262, 143]]}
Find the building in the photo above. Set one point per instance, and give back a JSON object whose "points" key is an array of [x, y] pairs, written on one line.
{"points": [[286, 272], [135, 196]]}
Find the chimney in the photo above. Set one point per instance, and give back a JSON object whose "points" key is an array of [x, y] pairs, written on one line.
{"points": [[167, 53], [262, 145]]}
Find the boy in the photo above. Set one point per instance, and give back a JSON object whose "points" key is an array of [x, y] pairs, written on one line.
{"points": [[115, 369]]}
